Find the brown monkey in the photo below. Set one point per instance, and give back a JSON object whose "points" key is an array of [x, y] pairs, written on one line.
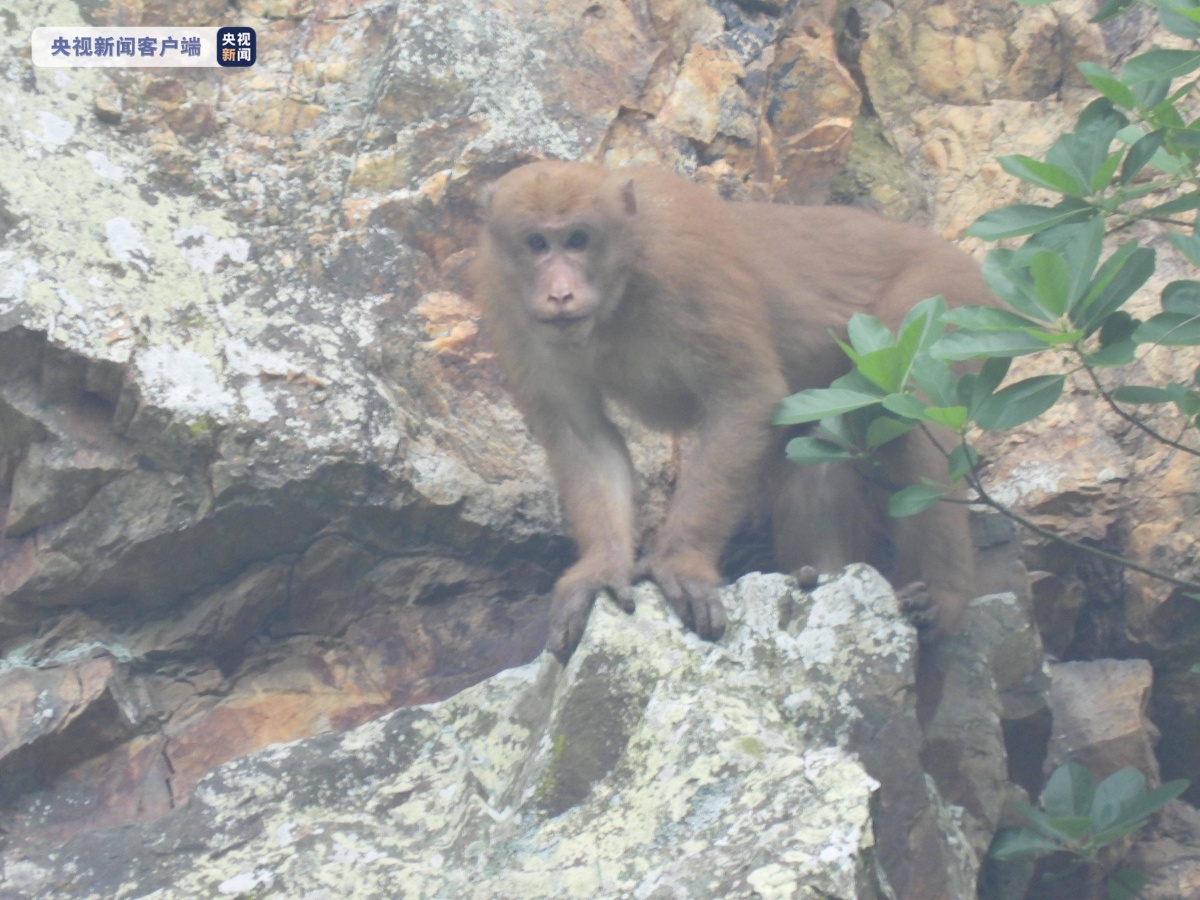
{"points": [[641, 287]]}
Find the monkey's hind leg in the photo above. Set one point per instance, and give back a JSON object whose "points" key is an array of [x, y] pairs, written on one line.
{"points": [[823, 519], [934, 554]]}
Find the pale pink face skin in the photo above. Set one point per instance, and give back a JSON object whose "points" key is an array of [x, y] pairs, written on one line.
{"points": [[562, 300]]}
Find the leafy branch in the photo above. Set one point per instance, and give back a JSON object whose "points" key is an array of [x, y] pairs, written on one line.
{"points": [[1131, 156]]}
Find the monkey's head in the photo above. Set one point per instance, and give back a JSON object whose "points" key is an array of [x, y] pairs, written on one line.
{"points": [[559, 237]]}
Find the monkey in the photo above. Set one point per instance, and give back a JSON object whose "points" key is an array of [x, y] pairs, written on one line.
{"points": [[695, 313]]}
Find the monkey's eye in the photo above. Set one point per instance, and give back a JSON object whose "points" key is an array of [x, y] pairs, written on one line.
{"points": [[537, 243], [577, 240]]}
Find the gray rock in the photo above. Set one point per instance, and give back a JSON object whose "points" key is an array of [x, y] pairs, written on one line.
{"points": [[653, 765]]}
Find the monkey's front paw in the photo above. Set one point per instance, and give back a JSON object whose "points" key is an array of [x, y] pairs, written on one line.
{"points": [[690, 585], [572, 603]]}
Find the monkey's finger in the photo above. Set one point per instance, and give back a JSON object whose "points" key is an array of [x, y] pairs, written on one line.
{"points": [[568, 615], [709, 613], [565, 636], [558, 643], [716, 617], [623, 595], [676, 596]]}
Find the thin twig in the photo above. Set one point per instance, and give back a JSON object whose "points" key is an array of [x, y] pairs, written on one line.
{"points": [[1133, 420], [987, 500]]}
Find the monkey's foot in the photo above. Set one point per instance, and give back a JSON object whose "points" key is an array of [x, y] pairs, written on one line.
{"points": [[918, 605], [807, 576], [574, 595], [689, 582]]}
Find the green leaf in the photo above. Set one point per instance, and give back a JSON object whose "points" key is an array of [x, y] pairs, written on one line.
{"points": [[1151, 93], [1013, 221], [1069, 791], [1051, 281], [1019, 402], [1055, 338], [1189, 9], [852, 381], [986, 318], [1133, 393], [816, 404], [953, 417], [868, 334], [1158, 63], [913, 499], [963, 344], [885, 429], [837, 431], [1116, 832], [1020, 843], [1188, 245], [1187, 401], [1152, 801], [923, 325], [1122, 353], [1182, 297], [1104, 174], [1169, 330], [904, 405], [1178, 18], [1166, 115], [963, 459], [1117, 328], [1082, 153], [993, 372], [885, 368], [1111, 8], [1187, 139], [936, 380], [1186, 203], [974, 388], [1113, 795], [1108, 84], [808, 450], [1079, 243], [1074, 827], [1140, 154], [1126, 884], [1043, 174], [1007, 275], [1040, 822], [1117, 280]]}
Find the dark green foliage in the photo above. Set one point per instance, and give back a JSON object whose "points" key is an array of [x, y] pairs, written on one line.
{"points": [[1132, 154]]}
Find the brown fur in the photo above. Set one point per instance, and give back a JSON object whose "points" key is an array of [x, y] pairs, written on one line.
{"points": [[702, 314]]}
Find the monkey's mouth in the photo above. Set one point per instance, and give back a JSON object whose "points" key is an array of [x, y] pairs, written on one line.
{"points": [[567, 331], [564, 323]]}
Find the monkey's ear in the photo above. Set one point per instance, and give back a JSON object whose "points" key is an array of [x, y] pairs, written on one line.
{"points": [[629, 198]]}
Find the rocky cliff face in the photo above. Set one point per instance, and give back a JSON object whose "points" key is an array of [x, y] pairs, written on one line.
{"points": [[259, 479], [781, 763]]}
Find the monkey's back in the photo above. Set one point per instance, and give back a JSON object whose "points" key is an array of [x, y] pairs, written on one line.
{"points": [[822, 264]]}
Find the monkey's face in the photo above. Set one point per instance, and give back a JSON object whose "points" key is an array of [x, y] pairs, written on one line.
{"points": [[563, 256], [568, 274], [562, 262]]}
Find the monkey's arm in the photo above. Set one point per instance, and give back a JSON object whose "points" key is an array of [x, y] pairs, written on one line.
{"points": [[718, 483], [594, 475]]}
